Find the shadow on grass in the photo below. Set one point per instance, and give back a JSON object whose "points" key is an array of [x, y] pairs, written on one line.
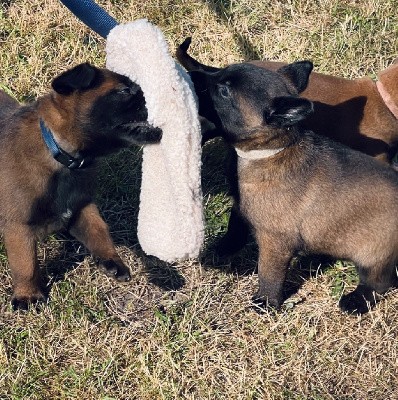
{"points": [[119, 182], [244, 263], [5, 4], [162, 274], [305, 268], [221, 9], [63, 254]]}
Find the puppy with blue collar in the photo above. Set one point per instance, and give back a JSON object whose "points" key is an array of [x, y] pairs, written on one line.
{"points": [[48, 151]]}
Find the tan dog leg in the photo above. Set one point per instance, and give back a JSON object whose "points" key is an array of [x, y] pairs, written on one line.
{"points": [[21, 251], [272, 266], [91, 230]]}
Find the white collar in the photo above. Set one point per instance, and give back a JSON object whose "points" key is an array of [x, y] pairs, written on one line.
{"points": [[257, 154]]}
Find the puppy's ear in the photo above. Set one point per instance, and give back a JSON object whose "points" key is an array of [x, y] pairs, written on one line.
{"points": [[288, 110], [297, 73], [188, 62], [82, 77]]}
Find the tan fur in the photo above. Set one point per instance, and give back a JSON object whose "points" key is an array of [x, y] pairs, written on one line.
{"points": [[39, 195], [352, 111], [313, 195]]}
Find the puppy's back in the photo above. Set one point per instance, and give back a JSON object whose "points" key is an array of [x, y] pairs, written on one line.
{"points": [[7, 105], [349, 198]]}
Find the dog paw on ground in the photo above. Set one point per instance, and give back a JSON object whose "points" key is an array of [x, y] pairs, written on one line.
{"points": [[115, 270], [355, 303], [24, 302]]}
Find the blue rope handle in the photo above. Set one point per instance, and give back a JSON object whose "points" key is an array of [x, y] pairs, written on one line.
{"points": [[89, 12]]}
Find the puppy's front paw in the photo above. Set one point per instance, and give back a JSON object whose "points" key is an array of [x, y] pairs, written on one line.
{"points": [[23, 302], [115, 270], [153, 134], [262, 303], [142, 133]]}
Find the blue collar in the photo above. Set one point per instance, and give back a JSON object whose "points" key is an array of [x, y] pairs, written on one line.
{"points": [[61, 155]]}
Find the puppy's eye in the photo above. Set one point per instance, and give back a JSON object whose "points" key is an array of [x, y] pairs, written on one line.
{"points": [[125, 90], [224, 91]]}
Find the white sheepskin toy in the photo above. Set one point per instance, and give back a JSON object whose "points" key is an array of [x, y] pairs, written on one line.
{"points": [[170, 219]]}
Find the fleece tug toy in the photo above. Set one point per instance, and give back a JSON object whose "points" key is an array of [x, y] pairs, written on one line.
{"points": [[170, 219]]}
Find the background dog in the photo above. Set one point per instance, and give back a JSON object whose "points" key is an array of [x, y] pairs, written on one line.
{"points": [[48, 151], [300, 191], [359, 113]]}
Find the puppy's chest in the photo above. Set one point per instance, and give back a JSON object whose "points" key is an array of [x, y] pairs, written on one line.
{"points": [[65, 195], [256, 198], [266, 200]]}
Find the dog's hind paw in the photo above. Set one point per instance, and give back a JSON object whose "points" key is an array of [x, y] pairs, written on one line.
{"points": [[357, 302]]}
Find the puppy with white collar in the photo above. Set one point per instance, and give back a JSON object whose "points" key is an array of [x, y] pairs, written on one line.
{"points": [[360, 113], [300, 191]]}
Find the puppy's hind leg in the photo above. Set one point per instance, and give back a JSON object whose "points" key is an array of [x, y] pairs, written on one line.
{"points": [[91, 230], [372, 282], [20, 243]]}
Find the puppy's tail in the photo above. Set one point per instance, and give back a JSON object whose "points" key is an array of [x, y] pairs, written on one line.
{"points": [[188, 62]]}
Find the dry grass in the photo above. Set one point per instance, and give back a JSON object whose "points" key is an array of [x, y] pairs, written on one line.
{"points": [[188, 331]]}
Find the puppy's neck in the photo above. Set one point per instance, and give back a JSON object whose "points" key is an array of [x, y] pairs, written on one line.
{"points": [[258, 154], [59, 117], [59, 154], [55, 131], [265, 143]]}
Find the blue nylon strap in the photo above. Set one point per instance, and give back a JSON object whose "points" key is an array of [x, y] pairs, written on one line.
{"points": [[61, 155], [49, 139], [89, 12]]}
